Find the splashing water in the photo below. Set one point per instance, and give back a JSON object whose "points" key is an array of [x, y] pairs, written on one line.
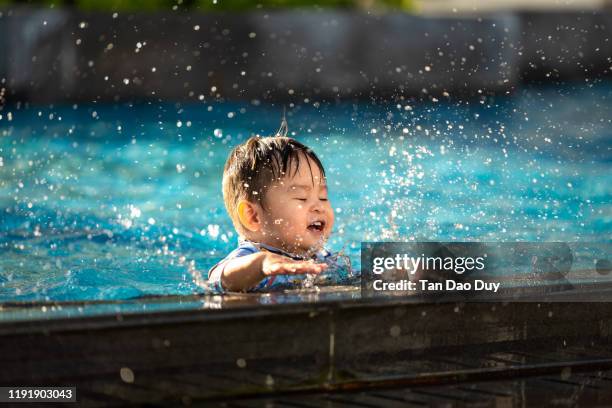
{"points": [[125, 203]]}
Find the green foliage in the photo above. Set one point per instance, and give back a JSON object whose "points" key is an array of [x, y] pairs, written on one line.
{"points": [[241, 5], [124, 5], [214, 5]]}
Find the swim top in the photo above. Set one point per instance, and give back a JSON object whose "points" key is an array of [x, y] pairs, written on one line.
{"points": [[270, 282]]}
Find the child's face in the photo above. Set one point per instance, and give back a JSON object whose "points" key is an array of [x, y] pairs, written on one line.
{"points": [[297, 215]]}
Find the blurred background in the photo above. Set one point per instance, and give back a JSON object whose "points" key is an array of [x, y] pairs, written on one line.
{"points": [[290, 49]]}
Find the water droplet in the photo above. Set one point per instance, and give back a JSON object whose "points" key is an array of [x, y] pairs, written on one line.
{"points": [[127, 375], [135, 212]]}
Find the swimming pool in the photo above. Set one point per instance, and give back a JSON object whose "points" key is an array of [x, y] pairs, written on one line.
{"points": [[110, 202]]}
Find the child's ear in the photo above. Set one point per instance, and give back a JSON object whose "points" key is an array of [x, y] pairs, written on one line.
{"points": [[249, 216]]}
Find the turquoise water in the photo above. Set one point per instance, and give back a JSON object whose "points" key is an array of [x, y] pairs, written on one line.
{"points": [[109, 202]]}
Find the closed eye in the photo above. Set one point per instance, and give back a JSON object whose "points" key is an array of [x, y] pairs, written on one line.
{"points": [[300, 199], [323, 199]]}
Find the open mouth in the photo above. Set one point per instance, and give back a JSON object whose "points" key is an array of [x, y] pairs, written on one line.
{"points": [[318, 226]]}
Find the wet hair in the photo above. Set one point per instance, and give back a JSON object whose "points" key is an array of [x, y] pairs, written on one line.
{"points": [[257, 163]]}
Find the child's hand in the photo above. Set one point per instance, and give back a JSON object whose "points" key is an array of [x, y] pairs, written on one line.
{"points": [[274, 264]]}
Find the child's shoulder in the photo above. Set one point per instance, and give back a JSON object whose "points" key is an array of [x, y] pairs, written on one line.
{"points": [[244, 248]]}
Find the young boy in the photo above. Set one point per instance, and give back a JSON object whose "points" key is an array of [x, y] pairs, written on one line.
{"points": [[275, 191]]}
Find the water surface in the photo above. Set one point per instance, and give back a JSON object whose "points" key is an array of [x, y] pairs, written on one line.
{"points": [[110, 202]]}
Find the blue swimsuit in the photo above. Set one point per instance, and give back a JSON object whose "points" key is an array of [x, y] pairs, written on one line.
{"points": [[269, 282]]}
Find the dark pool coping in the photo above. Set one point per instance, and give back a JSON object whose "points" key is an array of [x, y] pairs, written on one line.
{"points": [[321, 346], [154, 310]]}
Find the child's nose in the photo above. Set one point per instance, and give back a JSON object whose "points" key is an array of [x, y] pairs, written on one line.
{"points": [[317, 206]]}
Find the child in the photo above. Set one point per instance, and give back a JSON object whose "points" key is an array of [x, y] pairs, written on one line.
{"points": [[275, 191]]}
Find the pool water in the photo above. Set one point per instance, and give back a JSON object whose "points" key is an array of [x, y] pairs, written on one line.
{"points": [[119, 201]]}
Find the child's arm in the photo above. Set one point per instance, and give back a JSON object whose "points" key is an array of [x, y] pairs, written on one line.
{"points": [[242, 273]]}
